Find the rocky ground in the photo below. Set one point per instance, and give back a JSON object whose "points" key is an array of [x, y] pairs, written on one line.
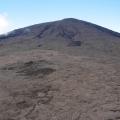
{"points": [[49, 85]]}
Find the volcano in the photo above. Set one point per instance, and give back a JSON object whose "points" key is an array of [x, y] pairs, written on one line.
{"points": [[72, 34], [62, 70]]}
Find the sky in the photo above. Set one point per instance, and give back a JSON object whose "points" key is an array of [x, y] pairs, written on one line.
{"points": [[20, 13]]}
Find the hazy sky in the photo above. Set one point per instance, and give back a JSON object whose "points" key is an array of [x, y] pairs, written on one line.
{"points": [[20, 13]]}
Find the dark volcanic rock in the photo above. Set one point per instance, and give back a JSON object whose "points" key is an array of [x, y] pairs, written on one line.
{"points": [[75, 43], [66, 28], [58, 35]]}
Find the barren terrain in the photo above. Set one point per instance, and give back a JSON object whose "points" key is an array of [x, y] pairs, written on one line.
{"points": [[60, 80]]}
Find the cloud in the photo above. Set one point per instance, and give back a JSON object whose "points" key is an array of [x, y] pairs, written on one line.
{"points": [[4, 23]]}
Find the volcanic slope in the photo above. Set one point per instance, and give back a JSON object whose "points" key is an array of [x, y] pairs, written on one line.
{"points": [[63, 70], [68, 35]]}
